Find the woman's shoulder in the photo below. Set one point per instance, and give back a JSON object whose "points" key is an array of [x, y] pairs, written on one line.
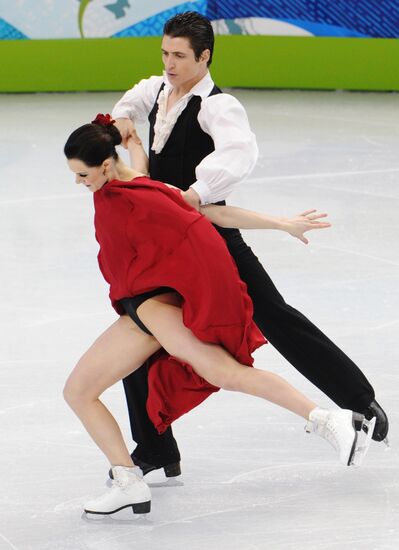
{"points": [[140, 183], [148, 192], [138, 189], [135, 183]]}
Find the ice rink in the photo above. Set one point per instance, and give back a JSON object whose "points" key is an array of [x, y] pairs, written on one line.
{"points": [[252, 478]]}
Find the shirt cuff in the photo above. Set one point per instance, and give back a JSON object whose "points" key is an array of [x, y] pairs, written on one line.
{"points": [[120, 113], [203, 191]]}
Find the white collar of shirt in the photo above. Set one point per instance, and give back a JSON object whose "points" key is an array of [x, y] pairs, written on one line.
{"points": [[165, 121]]}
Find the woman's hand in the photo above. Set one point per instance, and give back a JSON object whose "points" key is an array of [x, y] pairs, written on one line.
{"points": [[128, 131], [191, 197], [308, 220], [132, 140]]}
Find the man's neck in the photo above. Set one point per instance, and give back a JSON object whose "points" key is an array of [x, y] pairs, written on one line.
{"points": [[180, 91]]}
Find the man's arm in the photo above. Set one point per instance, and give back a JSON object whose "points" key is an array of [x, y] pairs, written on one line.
{"points": [[135, 105], [223, 117]]}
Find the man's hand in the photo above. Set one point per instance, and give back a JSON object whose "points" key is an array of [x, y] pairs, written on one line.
{"points": [[127, 130], [191, 197]]}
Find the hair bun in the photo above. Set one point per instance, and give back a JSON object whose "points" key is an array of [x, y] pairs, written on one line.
{"points": [[107, 122], [115, 134]]}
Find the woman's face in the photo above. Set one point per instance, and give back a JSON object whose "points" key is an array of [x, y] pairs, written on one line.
{"points": [[93, 177]]}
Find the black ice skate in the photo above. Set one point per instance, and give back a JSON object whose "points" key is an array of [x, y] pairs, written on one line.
{"points": [[381, 422]]}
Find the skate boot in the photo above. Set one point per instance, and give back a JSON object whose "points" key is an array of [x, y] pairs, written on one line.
{"points": [[128, 491], [348, 432], [171, 469], [381, 422]]}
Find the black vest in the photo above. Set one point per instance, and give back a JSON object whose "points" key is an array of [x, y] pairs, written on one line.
{"points": [[185, 148]]}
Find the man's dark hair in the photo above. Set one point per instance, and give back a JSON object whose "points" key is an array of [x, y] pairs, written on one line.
{"points": [[196, 28]]}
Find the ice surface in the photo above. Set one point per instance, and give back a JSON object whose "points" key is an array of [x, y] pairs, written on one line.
{"points": [[252, 479]]}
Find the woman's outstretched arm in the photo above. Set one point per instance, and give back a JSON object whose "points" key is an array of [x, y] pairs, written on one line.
{"points": [[138, 157], [232, 216]]}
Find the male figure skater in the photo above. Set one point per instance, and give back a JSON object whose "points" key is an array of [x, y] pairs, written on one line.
{"points": [[201, 142]]}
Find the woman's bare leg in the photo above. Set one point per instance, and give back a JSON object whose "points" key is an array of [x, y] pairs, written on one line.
{"points": [[123, 348], [119, 351], [215, 364]]}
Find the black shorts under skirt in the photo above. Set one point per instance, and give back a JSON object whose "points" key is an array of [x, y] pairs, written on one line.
{"points": [[130, 305]]}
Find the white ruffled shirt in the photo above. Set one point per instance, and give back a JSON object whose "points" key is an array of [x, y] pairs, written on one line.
{"points": [[165, 121], [221, 116]]}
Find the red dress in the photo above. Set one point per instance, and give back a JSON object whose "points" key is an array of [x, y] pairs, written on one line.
{"points": [[150, 237]]}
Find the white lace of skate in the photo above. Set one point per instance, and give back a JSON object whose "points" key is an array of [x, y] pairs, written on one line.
{"points": [[325, 431], [117, 483], [126, 481]]}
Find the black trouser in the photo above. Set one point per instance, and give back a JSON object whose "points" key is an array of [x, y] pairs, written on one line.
{"points": [[290, 332]]}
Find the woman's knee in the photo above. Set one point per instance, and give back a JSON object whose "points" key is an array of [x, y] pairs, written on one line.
{"points": [[235, 378], [227, 377], [214, 364], [77, 392], [229, 382], [72, 394]]}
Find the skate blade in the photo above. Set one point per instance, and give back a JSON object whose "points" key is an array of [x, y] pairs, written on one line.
{"points": [[387, 444], [363, 442]]}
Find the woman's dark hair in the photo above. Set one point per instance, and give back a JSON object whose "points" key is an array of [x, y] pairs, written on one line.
{"points": [[196, 28], [93, 143]]}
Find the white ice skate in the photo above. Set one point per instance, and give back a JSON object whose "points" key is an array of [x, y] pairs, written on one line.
{"points": [[128, 490], [348, 432]]}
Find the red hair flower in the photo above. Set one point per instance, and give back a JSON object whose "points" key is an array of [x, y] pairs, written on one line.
{"points": [[103, 120]]}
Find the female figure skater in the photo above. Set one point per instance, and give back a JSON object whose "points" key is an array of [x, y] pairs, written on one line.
{"points": [[168, 270]]}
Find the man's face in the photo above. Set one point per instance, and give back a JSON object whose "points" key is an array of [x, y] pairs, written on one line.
{"points": [[181, 67]]}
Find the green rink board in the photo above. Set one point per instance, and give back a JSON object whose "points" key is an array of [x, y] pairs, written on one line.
{"points": [[240, 61]]}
